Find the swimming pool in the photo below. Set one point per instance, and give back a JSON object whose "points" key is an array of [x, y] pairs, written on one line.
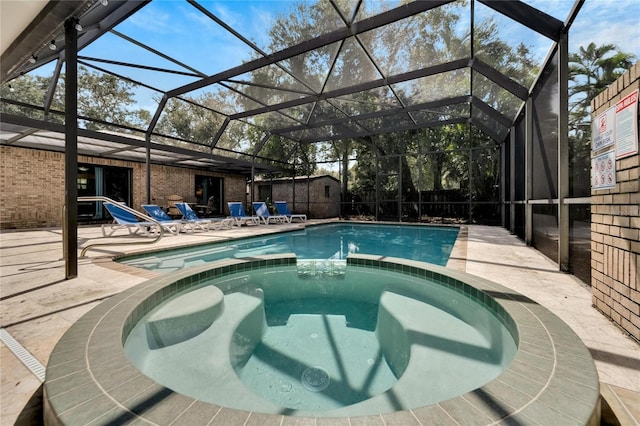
{"points": [[431, 244]]}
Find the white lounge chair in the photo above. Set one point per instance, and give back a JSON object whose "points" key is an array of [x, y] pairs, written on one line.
{"points": [[161, 216], [236, 210], [192, 217], [283, 209], [126, 220], [262, 211]]}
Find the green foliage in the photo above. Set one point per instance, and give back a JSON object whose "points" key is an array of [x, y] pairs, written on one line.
{"points": [[100, 97]]}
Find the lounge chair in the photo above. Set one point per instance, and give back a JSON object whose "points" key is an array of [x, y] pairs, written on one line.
{"points": [[126, 220], [161, 216], [262, 211], [192, 217], [236, 210], [283, 209]]}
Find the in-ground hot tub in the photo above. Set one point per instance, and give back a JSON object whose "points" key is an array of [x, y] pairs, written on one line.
{"points": [[321, 338], [549, 378]]}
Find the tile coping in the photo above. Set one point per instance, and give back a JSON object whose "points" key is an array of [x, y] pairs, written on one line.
{"points": [[552, 379]]}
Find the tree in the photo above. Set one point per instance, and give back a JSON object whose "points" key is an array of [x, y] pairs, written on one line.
{"points": [[28, 89], [101, 97], [591, 70]]}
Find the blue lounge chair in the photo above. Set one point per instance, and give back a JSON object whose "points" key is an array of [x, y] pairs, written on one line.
{"points": [[283, 209], [161, 216], [126, 220], [189, 216], [262, 211], [236, 210]]}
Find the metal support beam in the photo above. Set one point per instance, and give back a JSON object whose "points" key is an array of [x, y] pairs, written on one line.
{"points": [[512, 180], [147, 167], [385, 18], [563, 152], [528, 175], [528, 16], [70, 237], [503, 187]]}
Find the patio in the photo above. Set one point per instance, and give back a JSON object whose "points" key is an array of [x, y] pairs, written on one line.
{"points": [[38, 305]]}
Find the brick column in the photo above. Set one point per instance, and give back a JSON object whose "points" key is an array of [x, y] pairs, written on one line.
{"points": [[615, 227]]}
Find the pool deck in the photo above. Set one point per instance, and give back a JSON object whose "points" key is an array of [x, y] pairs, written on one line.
{"points": [[38, 305]]}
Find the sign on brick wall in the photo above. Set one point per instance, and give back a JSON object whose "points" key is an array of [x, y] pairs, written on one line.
{"points": [[626, 133], [603, 170], [602, 129]]}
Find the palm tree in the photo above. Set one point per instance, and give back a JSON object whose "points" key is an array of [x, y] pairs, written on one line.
{"points": [[592, 70]]}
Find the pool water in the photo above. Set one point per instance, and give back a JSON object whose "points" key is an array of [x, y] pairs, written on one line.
{"points": [[431, 244], [359, 341], [318, 354]]}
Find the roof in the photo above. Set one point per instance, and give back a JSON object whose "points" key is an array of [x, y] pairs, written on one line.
{"points": [[363, 69]]}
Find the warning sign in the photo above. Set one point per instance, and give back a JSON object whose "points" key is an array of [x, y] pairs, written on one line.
{"points": [[603, 171], [602, 129], [627, 125]]}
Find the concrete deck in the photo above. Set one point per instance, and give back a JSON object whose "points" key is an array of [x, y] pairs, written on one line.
{"points": [[38, 305]]}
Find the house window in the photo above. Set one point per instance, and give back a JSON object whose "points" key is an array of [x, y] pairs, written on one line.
{"points": [[209, 194], [327, 191], [109, 181]]}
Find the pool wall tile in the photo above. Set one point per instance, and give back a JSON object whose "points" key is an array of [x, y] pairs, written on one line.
{"points": [[110, 379], [298, 421], [259, 419], [163, 407], [509, 397], [78, 395], [198, 413], [433, 415], [68, 382], [97, 411], [332, 421], [366, 421], [227, 416], [546, 415], [400, 418], [465, 413]]}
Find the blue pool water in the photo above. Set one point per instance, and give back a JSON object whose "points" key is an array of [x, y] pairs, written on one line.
{"points": [[431, 244], [363, 341]]}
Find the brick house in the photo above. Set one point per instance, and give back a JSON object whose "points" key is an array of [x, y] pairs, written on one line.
{"points": [[32, 186], [315, 196]]}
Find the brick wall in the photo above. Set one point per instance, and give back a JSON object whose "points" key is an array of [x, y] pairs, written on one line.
{"points": [[32, 185], [310, 196], [615, 227]]}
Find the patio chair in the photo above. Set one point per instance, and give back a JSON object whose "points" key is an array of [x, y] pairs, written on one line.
{"points": [[283, 209], [262, 211], [126, 220], [161, 216], [192, 217], [236, 210]]}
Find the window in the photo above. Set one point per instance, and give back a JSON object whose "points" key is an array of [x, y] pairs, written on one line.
{"points": [[327, 191], [112, 182], [209, 191]]}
